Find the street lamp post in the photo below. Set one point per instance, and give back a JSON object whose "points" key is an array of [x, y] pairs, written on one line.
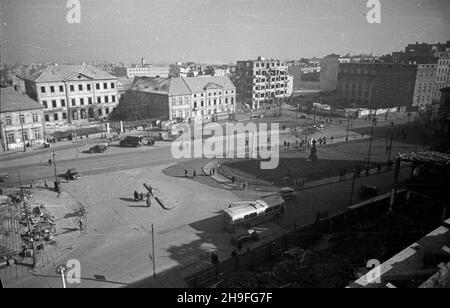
{"points": [[348, 128], [370, 143]]}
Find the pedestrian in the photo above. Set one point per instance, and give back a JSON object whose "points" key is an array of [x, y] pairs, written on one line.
{"points": [[80, 224], [213, 171], [185, 173], [50, 162], [136, 196], [332, 138], [141, 196], [149, 201], [233, 179], [194, 174]]}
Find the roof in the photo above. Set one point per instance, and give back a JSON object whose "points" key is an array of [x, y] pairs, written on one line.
{"points": [[180, 86], [202, 83], [427, 157], [12, 101], [242, 210], [56, 73]]}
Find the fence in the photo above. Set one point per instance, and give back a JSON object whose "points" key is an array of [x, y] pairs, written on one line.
{"points": [[337, 226]]}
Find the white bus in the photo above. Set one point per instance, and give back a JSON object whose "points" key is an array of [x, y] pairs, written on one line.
{"points": [[247, 214]]}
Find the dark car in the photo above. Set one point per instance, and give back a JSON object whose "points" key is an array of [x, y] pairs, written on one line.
{"points": [[99, 148], [4, 177], [368, 191], [288, 194], [244, 235], [72, 175]]}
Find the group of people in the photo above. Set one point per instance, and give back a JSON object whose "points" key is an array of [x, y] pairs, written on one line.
{"points": [[186, 173], [140, 197]]}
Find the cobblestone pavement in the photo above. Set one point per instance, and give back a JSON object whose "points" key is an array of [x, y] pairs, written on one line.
{"points": [[67, 212]]}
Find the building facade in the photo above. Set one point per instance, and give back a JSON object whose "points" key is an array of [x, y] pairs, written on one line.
{"points": [[442, 75], [261, 81], [425, 85], [21, 120], [203, 98], [73, 93], [329, 73], [374, 86], [143, 71]]}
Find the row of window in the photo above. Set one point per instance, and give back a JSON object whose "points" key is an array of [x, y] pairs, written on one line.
{"points": [[13, 137], [75, 115], [215, 93], [98, 86], [22, 120], [80, 102], [214, 102]]}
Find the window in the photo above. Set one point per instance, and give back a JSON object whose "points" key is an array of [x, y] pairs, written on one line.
{"points": [[74, 102], [47, 118], [113, 85], [80, 87], [55, 117], [35, 118], [99, 100], [54, 103], [63, 103], [90, 100], [64, 116], [22, 119], [52, 89], [105, 86], [72, 88], [61, 89], [107, 110], [97, 86], [113, 98], [88, 86], [106, 99], [43, 90], [8, 120], [11, 138], [82, 101], [36, 134]]}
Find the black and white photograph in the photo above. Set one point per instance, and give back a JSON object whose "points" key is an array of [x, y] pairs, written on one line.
{"points": [[226, 150]]}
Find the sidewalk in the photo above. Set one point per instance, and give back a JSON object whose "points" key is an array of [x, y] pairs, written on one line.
{"points": [[67, 213]]}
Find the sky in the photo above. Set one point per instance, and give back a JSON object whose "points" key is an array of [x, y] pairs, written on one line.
{"points": [[213, 31]]}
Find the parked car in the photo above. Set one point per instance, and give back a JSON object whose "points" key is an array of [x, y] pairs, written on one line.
{"points": [[99, 148], [288, 194], [368, 191], [72, 175], [4, 177], [244, 235]]}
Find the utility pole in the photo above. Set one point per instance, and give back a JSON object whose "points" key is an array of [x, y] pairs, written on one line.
{"points": [[21, 128], [371, 139], [352, 190], [153, 253], [390, 149], [348, 128], [28, 221], [56, 172]]}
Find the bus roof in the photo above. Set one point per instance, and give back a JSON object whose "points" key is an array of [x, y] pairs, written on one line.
{"points": [[246, 208], [273, 200]]}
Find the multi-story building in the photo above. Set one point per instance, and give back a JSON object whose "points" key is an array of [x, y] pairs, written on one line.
{"points": [[442, 75], [21, 120], [73, 93], [261, 81], [192, 99], [329, 73], [142, 71], [425, 85], [370, 85]]}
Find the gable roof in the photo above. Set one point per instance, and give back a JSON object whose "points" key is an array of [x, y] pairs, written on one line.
{"points": [[56, 73], [12, 101], [180, 86], [202, 83]]}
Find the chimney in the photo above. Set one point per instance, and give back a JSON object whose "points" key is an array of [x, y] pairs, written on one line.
{"points": [[142, 62]]}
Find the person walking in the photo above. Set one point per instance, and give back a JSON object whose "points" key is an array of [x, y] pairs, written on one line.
{"points": [[185, 173], [149, 201], [81, 224], [136, 196]]}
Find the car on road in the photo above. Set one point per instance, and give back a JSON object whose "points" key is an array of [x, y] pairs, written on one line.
{"points": [[288, 194], [132, 141], [72, 175], [244, 235], [4, 177], [99, 148], [368, 191]]}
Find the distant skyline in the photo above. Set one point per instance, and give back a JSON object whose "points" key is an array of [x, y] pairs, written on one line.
{"points": [[213, 31]]}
